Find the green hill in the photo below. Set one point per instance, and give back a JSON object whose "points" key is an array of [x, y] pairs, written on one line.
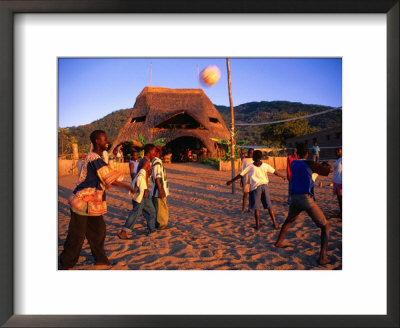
{"points": [[110, 123], [265, 111], [246, 113]]}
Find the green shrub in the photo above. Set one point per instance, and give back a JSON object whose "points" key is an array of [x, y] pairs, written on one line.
{"points": [[227, 155], [214, 162]]}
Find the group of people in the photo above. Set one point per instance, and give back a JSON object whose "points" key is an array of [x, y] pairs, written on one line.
{"points": [[301, 174], [88, 200], [152, 205], [186, 156]]}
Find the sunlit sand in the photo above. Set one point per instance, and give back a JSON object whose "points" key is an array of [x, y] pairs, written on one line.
{"points": [[207, 229]]}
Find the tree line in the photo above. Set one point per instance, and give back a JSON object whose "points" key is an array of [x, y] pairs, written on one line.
{"points": [[269, 135]]}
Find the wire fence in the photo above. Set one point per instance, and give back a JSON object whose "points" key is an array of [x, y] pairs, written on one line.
{"points": [[289, 119]]}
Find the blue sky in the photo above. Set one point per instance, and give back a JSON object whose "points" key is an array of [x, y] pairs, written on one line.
{"points": [[90, 88]]}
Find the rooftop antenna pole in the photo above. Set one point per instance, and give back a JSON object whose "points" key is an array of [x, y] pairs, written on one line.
{"points": [[198, 77], [151, 71], [232, 124]]}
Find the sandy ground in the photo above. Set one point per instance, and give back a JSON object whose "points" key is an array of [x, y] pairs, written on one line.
{"points": [[207, 229]]}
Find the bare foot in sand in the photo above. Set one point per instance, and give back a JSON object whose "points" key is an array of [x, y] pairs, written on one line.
{"points": [[284, 245], [276, 226], [122, 235], [256, 227], [323, 261]]}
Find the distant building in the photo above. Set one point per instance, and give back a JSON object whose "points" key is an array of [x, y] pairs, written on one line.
{"points": [[328, 140], [186, 118]]}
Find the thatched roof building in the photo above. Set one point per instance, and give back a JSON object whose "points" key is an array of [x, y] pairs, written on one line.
{"points": [[182, 116]]}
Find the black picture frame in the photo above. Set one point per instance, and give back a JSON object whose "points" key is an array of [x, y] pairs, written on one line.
{"points": [[7, 200]]}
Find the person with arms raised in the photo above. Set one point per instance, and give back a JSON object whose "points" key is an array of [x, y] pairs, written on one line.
{"points": [[302, 198]]}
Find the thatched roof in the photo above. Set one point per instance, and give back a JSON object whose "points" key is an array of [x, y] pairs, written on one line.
{"points": [[155, 106]]}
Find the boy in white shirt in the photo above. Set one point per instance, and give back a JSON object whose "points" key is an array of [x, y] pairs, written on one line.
{"points": [[259, 192], [141, 200]]}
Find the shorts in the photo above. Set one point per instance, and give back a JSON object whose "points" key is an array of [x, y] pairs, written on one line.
{"points": [[337, 189], [260, 198], [304, 202]]}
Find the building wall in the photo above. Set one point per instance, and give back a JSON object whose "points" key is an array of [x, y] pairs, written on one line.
{"points": [[72, 167], [330, 138]]}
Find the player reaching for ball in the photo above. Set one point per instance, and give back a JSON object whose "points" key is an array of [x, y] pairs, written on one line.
{"points": [[302, 198]]}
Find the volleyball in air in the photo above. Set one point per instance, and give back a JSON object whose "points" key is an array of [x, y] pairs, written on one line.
{"points": [[210, 75]]}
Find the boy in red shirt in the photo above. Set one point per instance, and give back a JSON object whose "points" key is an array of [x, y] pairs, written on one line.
{"points": [[290, 159]]}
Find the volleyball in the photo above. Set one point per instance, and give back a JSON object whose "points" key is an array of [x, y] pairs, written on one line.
{"points": [[210, 75]]}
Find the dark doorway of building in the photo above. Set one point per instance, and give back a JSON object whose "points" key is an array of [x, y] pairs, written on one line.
{"points": [[180, 121], [186, 149]]}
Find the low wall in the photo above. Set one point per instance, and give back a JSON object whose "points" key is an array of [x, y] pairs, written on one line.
{"points": [[270, 161], [226, 166], [278, 163], [120, 167], [67, 167], [71, 167]]}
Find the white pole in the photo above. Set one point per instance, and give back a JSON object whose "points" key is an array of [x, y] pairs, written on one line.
{"points": [[232, 124], [198, 77], [151, 71]]}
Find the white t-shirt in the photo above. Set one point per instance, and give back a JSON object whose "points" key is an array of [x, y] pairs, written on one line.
{"points": [[337, 171], [257, 174], [104, 155], [245, 163], [135, 165], [158, 171], [139, 184]]}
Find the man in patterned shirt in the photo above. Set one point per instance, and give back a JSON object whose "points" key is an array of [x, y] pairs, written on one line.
{"points": [[88, 204]]}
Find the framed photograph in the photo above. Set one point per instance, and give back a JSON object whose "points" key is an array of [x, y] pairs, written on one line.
{"points": [[179, 69]]}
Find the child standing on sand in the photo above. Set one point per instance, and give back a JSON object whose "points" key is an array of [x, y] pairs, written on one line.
{"points": [[141, 200], [159, 191], [259, 192]]}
